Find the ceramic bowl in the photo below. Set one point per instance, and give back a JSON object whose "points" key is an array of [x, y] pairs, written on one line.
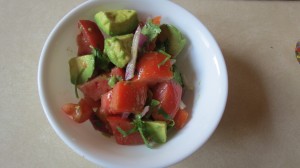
{"points": [[202, 66]]}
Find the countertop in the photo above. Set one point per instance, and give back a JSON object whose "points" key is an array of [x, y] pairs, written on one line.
{"points": [[260, 126]]}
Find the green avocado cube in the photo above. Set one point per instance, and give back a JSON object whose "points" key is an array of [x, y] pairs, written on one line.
{"points": [[118, 49], [173, 39], [81, 68], [157, 130], [117, 22]]}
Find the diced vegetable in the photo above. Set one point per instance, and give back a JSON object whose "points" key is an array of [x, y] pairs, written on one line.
{"points": [[101, 124], [118, 49], [96, 87], [134, 54], [81, 68], [117, 22], [105, 108], [125, 125], [128, 97], [181, 118], [90, 37], [169, 95], [172, 38], [78, 112], [148, 69]]}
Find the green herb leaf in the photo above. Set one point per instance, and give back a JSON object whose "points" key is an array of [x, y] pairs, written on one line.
{"points": [[126, 133], [113, 80], [154, 103], [168, 56], [167, 117], [151, 30], [177, 76], [164, 114], [102, 61]]}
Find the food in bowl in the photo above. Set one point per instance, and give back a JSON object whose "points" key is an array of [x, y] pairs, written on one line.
{"points": [[200, 62], [130, 84]]}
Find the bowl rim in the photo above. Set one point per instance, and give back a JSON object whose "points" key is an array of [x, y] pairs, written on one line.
{"points": [[57, 129]]}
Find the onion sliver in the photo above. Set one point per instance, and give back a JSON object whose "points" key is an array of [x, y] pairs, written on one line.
{"points": [[129, 74]]}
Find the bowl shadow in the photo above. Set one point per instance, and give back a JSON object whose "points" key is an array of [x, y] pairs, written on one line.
{"points": [[247, 109]]}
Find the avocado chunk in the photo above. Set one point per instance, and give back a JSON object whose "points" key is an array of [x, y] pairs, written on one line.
{"points": [[157, 130], [81, 68], [172, 38], [118, 49], [117, 22]]}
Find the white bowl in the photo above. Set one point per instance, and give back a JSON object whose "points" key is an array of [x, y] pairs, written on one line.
{"points": [[201, 64]]}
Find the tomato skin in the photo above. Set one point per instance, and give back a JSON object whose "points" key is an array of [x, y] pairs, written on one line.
{"points": [[148, 69], [92, 102], [128, 97], [100, 124], [169, 94], [95, 87], [181, 118], [78, 112], [90, 35], [105, 108], [124, 124]]}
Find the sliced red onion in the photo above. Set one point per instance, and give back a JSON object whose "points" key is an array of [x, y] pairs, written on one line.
{"points": [[125, 114], [173, 61], [142, 40], [134, 53], [145, 110], [182, 105]]}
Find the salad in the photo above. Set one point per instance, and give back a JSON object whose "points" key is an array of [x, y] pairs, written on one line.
{"points": [[131, 87]]}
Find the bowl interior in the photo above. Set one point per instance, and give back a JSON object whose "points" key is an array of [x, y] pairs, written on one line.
{"points": [[201, 64]]}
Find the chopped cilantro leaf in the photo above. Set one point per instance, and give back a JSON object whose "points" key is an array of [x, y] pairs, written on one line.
{"points": [[102, 61], [168, 56], [126, 133], [167, 117], [177, 75], [154, 103], [151, 30], [113, 80]]}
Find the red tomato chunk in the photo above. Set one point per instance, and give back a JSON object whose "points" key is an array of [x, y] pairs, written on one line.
{"points": [[105, 104], [128, 97], [169, 94], [78, 112], [90, 36], [124, 124], [96, 87], [148, 69], [180, 118]]}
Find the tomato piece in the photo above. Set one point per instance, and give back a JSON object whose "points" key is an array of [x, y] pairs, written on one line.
{"points": [[148, 69], [90, 36], [180, 118], [100, 124], [116, 71], [169, 94], [131, 139], [128, 97], [156, 20], [78, 112], [92, 102], [95, 87], [105, 108]]}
